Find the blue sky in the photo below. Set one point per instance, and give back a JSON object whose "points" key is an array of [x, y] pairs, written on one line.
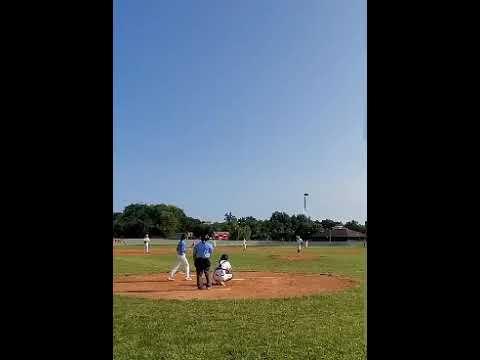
{"points": [[241, 106]]}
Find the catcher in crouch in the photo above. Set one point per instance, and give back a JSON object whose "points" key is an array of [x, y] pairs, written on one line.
{"points": [[223, 272]]}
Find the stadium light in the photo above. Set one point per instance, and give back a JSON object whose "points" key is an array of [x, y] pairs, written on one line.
{"points": [[305, 203]]}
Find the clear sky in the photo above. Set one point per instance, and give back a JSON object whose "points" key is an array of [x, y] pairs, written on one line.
{"points": [[241, 106]]}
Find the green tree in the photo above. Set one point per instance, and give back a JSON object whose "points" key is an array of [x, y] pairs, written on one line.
{"points": [[167, 220], [168, 224], [355, 226], [281, 226], [243, 227], [232, 226], [229, 218], [329, 224], [191, 223]]}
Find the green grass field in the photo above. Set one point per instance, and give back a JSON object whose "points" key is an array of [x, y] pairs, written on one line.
{"points": [[314, 327]]}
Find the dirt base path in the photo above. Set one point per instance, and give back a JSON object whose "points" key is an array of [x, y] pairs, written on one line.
{"points": [[245, 285]]}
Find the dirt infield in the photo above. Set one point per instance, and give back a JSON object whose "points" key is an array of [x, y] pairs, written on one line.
{"points": [[289, 253], [169, 250], [245, 285]]}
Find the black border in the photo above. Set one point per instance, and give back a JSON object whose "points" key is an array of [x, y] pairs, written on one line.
{"points": [[63, 155], [65, 132], [417, 238]]}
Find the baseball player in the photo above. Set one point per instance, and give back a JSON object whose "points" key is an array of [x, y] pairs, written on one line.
{"points": [[202, 253], [223, 272], [146, 244], [194, 242], [299, 244], [211, 240], [244, 245], [306, 243], [181, 260]]}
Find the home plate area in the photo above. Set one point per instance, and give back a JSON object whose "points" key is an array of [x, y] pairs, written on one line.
{"points": [[244, 285]]}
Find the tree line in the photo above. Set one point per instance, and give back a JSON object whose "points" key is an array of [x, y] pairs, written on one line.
{"points": [[165, 221]]}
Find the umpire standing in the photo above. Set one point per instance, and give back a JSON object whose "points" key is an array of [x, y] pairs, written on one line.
{"points": [[201, 254]]}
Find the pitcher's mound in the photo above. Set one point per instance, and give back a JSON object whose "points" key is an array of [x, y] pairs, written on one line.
{"points": [[245, 285]]}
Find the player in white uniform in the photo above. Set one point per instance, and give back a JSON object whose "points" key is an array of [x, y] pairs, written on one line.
{"points": [[146, 243], [299, 244], [223, 272], [244, 244]]}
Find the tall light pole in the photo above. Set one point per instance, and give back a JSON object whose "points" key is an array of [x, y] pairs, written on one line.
{"points": [[305, 203]]}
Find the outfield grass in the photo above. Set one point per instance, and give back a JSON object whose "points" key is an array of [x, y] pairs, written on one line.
{"points": [[315, 327]]}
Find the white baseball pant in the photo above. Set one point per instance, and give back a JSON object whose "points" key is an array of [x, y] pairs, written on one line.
{"points": [[225, 277], [181, 260]]}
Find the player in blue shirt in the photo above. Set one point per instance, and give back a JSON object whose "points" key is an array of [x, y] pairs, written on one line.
{"points": [[202, 252]]}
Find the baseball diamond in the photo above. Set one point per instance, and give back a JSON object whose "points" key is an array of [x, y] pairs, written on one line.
{"points": [[284, 304]]}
